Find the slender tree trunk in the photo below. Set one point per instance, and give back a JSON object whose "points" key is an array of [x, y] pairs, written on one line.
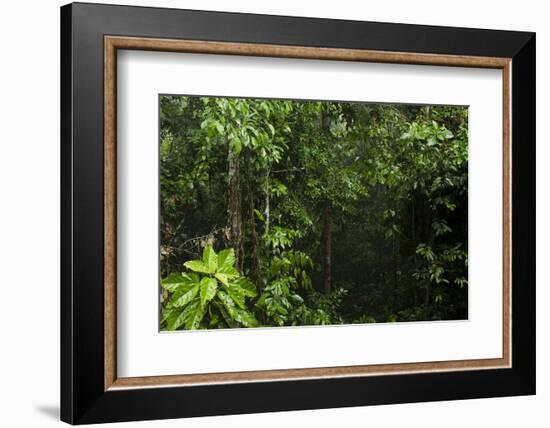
{"points": [[267, 212], [395, 269], [327, 248], [415, 242], [427, 302], [254, 264], [327, 216], [234, 223], [428, 113], [427, 218]]}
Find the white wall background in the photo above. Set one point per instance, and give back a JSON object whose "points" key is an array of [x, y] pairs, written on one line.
{"points": [[29, 214]]}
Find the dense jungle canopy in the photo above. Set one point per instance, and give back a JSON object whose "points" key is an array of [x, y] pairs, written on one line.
{"points": [[282, 213]]}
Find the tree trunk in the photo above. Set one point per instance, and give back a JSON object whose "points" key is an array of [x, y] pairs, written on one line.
{"points": [[267, 212], [233, 235], [428, 113], [327, 248], [327, 216], [427, 302], [254, 262], [430, 238]]}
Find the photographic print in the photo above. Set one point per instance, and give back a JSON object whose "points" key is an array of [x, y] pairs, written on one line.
{"points": [[277, 212]]}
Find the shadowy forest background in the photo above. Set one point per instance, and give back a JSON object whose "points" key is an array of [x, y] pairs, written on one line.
{"points": [[279, 212]]}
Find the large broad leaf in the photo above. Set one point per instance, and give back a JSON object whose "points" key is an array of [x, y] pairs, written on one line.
{"points": [[210, 259], [193, 315], [226, 258], [174, 318], [227, 301], [246, 318], [229, 271], [237, 314], [226, 263], [237, 295], [223, 278], [248, 288], [183, 298], [190, 317], [208, 289], [196, 266], [231, 323], [175, 281]]}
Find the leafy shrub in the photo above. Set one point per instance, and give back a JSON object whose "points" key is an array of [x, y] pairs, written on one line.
{"points": [[280, 300], [211, 295], [322, 309]]}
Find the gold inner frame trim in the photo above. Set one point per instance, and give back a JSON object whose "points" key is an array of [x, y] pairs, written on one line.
{"points": [[113, 43]]}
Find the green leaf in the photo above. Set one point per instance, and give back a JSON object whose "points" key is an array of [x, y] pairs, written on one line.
{"points": [[259, 214], [174, 319], [246, 318], [226, 300], [241, 316], [226, 262], [177, 280], [208, 289], [248, 288], [222, 277], [440, 227], [261, 300], [236, 145], [166, 312], [193, 315], [190, 317], [229, 271], [182, 299], [197, 266], [237, 295], [210, 259], [226, 258], [297, 298]]}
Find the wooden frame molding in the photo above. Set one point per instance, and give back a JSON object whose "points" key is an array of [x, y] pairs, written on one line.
{"points": [[113, 43]]}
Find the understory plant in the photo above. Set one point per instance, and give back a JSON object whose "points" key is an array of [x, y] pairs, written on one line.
{"points": [[211, 293]]}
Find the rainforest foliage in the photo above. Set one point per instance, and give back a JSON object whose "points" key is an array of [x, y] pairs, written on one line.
{"points": [[285, 213]]}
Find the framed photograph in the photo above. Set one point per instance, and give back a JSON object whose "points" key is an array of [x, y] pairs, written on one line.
{"points": [[265, 213]]}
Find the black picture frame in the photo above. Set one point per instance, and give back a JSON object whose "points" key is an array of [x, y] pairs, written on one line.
{"points": [[83, 396]]}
